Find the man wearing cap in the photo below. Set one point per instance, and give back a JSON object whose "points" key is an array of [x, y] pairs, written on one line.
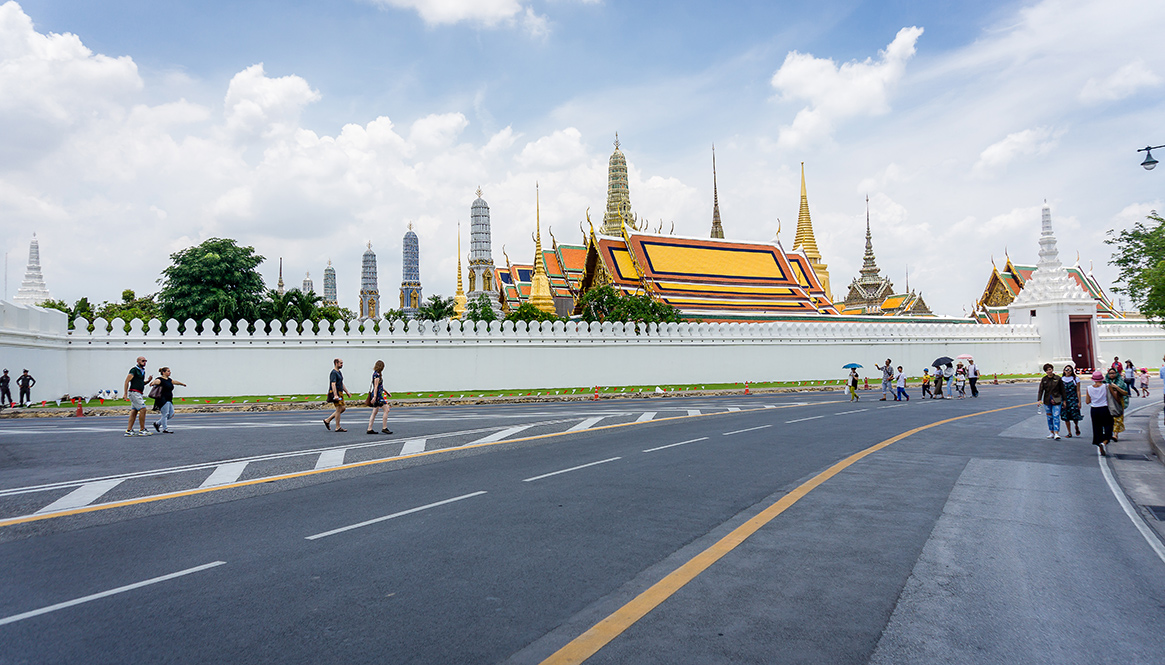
{"points": [[5, 391], [25, 382], [135, 383]]}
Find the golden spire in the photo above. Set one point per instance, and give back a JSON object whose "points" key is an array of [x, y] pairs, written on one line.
{"points": [[540, 284], [459, 298], [805, 241]]}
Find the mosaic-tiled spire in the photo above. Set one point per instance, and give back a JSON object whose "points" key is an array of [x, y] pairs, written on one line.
{"points": [[540, 296], [369, 286], [308, 285], [869, 263], [481, 261], [805, 241], [279, 285], [459, 297], [410, 285], [717, 229], [330, 294], [618, 195]]}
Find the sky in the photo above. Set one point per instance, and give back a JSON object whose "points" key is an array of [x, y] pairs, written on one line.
{"points": [[132, 130]]}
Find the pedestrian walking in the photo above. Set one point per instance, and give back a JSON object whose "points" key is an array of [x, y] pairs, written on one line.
{"points": [[900, 380], [926, 382], [1130, 377], [1161, 375], [164, 399], [1119, 403], [961, 380], [1144, 381], [135, 384], [887, 378], [25, 382], [336, 392], [949, 379], [1116, 364], [853, 384], [378, 399], [1097, 397], [1051, 398], [973, 377], [5, 391], [1070, 410]]}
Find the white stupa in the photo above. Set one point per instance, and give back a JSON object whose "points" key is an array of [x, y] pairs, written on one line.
{"points": [[32, 290], [1050, 282]]}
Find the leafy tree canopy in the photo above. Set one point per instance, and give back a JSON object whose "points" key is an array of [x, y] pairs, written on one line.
{"points": [[528, 312], [436, 308], [1140, 256], [479, 309], [214, 280], [606, 303]]}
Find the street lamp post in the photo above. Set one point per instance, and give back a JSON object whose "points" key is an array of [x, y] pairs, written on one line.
{"points": [[1149, 162]]}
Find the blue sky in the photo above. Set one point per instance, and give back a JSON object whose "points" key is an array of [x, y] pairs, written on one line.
{"points": [[307, 129]]}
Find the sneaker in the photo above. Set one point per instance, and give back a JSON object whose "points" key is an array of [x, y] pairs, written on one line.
{"points": [[142, 432], [386, 431], [1057, 437], [1050, 435], [156, 429], [129, 432], [167, 431]]}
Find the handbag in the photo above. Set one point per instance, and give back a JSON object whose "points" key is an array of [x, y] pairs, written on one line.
{"points": [[155, 392], [1116, 404]]}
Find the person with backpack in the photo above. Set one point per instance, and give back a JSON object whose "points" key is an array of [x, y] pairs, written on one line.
{"points": [[378, 399], [336, 392]]}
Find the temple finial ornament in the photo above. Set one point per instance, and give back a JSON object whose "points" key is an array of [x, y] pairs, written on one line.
{"points": [[616, 140], [479, 192]]}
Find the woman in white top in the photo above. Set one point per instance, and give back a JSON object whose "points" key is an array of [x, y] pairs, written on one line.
{"points": [[1097, 397]]}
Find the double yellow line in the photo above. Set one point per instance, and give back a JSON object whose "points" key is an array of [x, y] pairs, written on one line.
{"points": [[598, 636]]}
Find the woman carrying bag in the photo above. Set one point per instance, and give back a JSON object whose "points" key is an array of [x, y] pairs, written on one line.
{"points": [[1117, 408], [1099, 395], [378, 399]]}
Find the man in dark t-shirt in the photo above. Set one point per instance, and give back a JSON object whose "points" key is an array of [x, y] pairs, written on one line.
{"points": [[5, 391], [336, 392], [25, 382], [135, 385]]}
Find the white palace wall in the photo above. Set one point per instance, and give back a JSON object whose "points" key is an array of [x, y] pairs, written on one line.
{"points": [[430, 356]]}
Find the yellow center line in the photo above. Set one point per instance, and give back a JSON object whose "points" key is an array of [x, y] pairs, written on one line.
{"points": [[598, 636], [300, 474]]}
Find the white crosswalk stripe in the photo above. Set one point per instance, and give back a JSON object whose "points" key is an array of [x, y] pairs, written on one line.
{"points": [[329, 458], [693, 412], [413, 447], [586, 424], [81, 497], [646, 416], [224, 474], [504, 434]]}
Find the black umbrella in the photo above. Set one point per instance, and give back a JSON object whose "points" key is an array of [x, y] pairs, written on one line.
{"points": [[943, 362]]}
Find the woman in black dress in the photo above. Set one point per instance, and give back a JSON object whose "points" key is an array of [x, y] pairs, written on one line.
{"points": [[378, 399]]}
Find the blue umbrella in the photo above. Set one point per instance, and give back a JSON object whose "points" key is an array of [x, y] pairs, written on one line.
{"points": [[851, 366]]}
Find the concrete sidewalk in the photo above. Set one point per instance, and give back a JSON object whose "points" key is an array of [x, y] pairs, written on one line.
{"points": [[1137, 464]]}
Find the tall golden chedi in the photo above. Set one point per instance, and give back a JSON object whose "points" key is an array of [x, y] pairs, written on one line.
{"points": [[618, 195], [540, 296], [459, 297], [805, 241]]}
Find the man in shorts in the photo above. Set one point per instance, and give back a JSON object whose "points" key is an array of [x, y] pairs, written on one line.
{"points": [[887, 379], [135, 384], [336, 392]]}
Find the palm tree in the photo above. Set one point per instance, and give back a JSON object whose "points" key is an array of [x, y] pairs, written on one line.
{"points": [[436, 309]]}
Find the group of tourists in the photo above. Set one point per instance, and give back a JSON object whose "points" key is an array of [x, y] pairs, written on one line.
{"points": [[25, 382], [377, 398], [1105, 392], [894, 381], [161, 391]]}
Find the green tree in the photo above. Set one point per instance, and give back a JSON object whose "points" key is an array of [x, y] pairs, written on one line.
{"points": [[436, 308], [606, 303], [1140, 256], [527, 312], [479, 309], [131, 307], [214, 280]]}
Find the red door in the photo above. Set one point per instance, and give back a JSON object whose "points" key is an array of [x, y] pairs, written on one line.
{"points": [[1080, 330]]}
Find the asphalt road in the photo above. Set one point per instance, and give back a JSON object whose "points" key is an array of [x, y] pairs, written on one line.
{"points": [[659, 530]]}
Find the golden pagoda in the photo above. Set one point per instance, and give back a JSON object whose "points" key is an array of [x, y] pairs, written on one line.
{"points": [[540, 296], [805, 241], [459, 298]]}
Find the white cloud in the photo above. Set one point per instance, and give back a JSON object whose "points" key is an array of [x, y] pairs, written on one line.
{"points": [[444, 12], [1120, 84], [837, 92], [996, 157], [438, 130], [257, 104], [562, 148]]}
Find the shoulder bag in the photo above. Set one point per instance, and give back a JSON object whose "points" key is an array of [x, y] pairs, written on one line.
{"points": [[1116, 403]]}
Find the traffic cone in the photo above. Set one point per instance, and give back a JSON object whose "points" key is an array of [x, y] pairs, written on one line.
{"points": [[746, 387], [80, 412], [596, 394], [867, 384], [996, 381]]}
